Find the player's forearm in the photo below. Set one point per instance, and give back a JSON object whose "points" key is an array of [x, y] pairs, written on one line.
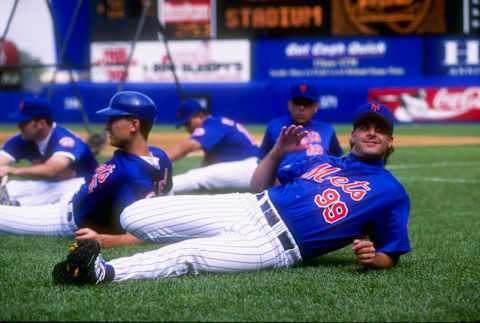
{"points": [[52, 168], [35, 172], [182, 149], [265, 174], [175, 153], [116, 240]]}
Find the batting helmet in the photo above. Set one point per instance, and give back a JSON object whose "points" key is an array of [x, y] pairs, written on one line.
{"points": [[131, 103]]}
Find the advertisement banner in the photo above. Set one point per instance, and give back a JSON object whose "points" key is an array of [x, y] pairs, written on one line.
{"points": [[10, 75], [186, 18], [430, 104], [267, 18], [339, 57], [215, 61], [452, 56]]}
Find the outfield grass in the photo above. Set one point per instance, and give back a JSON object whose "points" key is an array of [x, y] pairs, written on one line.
{"points": [[438, 281], [453, 129]]}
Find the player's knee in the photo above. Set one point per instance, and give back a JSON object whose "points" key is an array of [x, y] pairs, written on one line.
{"points": [[127, 219]]}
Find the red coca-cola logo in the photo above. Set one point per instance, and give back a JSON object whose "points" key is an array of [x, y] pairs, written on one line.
{"points": [[466, 100], [9, 55]]}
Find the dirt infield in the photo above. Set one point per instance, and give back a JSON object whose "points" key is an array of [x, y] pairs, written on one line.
{"points": [[168, 140]]}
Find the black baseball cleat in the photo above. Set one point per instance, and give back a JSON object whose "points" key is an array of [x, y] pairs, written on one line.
{"points": [[84, 265]]}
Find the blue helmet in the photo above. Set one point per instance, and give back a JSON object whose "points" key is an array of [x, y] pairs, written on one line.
{"points": [[131, 103]]}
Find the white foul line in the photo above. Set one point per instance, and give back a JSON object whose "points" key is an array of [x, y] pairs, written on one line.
{"points": [[438, 180], [430, 165]]}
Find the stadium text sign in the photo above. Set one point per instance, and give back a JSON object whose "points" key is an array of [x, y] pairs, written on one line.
{"points": [[194, 61], [250, 18]]}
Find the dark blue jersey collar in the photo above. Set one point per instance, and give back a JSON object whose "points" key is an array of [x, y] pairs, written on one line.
{"points": [[353, 158]]}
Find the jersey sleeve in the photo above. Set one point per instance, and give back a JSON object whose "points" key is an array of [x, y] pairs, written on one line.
{"points": [[207, 135], [67, 146], [14, 148], [295, 165], [6, 154], [292, 169], [389, 230]]}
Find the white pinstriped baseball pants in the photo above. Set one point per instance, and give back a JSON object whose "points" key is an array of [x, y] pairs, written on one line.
{"points": [[45, 220], [217, 233], [234, 175], [38, 192]]}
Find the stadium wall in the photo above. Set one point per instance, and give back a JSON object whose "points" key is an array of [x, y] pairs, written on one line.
{"points": [[424, 78]]}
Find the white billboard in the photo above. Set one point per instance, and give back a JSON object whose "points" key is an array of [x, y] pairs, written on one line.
{"points": [[195, 61]]}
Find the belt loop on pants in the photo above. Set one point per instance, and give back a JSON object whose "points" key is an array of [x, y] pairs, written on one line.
{"points": [[278, 226]]}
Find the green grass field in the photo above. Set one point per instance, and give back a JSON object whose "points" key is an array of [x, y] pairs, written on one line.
{"points": [[438, 281]]}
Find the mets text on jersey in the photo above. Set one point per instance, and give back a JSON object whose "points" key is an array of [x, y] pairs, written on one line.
{"points": [[329, 199], [101, 174]]}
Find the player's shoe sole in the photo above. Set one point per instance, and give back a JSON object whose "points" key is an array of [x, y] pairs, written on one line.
{"points": [[79, 267]]}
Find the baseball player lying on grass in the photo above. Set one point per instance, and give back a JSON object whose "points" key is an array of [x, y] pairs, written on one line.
{"points": [[60, 160], [231, 154], [136, 171], [321, 138], [323, 204]]}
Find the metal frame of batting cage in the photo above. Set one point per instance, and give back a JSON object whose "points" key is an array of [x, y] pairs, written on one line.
{"points": [[96, 140], [160, 30]]}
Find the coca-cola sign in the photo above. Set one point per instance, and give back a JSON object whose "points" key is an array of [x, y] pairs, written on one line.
{"points": [[430, 104]]}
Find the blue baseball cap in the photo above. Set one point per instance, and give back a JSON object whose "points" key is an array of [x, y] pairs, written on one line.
{"points": [[303, 90], [32, 108], [186, 110], [131, 103], [375, 110]]}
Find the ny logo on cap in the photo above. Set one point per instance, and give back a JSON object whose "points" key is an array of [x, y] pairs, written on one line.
{"points": [[20, 107], [375, 107], [303, 88]]}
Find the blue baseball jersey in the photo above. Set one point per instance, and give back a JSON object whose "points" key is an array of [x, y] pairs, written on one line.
{"points": [[61, 141], [327, 201], [321, 139], [116, 184], [225, 140]]}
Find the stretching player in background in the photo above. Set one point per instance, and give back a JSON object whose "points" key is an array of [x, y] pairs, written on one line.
{"points": [[323, 204], [231, 154], [60, 160], [302, 104], [136, 171]]}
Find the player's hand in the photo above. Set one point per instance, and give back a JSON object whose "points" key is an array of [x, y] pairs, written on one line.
{"points": [[364, 251], [290, 139], [87, 233], [5, 170]]}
